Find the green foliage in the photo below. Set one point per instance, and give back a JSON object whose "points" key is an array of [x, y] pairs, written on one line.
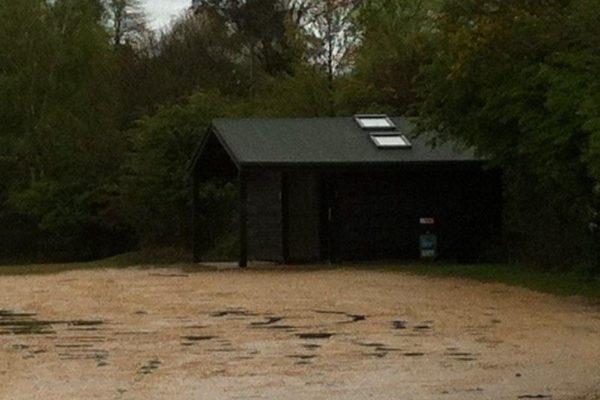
{"points": [[304, 94], [99, 117], [517, 81], [218, 221], [260, 27], [397, 40], [57, 110], [156, 191]]}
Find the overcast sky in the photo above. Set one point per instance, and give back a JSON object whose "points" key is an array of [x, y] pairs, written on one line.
{"points": [[160, 12]]}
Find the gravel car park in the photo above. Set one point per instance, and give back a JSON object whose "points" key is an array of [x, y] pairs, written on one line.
{"points": [[298, 333]]}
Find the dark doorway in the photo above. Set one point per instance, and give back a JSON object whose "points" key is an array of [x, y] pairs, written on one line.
{"points": [[302, 217]]}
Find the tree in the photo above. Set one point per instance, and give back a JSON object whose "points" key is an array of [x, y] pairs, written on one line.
{"points": [[155, 184], [518, 81], [56, 88], [334, 36], [328, 36], [305, 93], [397, 39], [127, 22], [261, 30]]}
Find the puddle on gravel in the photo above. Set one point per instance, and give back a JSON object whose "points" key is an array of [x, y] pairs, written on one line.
{"points": [[198, 338], [329, 312], [422, 327], [83, 348], [79, 347], [242, 358], [193, 339], [399, 324], [234, 312], [316, 335], [268, 321], [387, 349], [271, 323], [148, 368], [169, 275], [534, 396], [370, 344], [281, 327], [82, 325], [378, 349], [303, 356], [352, 317], [311, 346], [126, 333], [27, 351], [413, 354], [98, 355], [22, 323], [196, 326], [461, 356], [377, 354]]}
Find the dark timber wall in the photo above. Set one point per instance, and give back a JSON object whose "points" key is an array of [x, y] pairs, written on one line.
{"points": [[371, 214], [376, 215], [264, 216]]}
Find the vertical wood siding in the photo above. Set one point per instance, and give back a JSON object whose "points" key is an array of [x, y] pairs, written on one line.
{"points": [[377, 215], [264, 216]]}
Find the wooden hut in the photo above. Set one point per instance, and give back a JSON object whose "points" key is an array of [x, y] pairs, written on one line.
{"points": [[356, 188]]}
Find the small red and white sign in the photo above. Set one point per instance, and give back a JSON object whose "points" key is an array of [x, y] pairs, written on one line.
{"points": [[427, 221]]}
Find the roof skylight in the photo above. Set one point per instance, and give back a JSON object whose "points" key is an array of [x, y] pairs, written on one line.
{"points": [[382, 131], [391, 141], [370, 122]]}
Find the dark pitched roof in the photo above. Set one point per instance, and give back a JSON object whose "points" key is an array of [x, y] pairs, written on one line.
{"points": [[285, 141]]}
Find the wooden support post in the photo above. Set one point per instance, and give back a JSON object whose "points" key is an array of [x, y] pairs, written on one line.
{"points": [[195, 217], [285, 243], [243, 220]]}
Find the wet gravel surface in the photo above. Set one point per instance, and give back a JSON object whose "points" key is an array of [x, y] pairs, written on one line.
{"points": [[282, 333]]}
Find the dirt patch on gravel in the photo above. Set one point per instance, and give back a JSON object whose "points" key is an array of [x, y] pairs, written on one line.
{"points": [[348, 334]]}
